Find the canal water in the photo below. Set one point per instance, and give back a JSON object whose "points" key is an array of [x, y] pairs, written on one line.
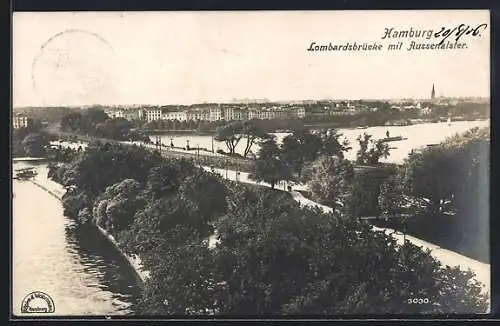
{"points": [[75, 265]]}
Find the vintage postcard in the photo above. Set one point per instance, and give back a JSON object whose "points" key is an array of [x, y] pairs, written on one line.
{"points": [[267, 163]]}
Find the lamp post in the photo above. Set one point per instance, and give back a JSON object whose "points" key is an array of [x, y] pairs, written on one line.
{"points": [[198, 152], [212, 143]]}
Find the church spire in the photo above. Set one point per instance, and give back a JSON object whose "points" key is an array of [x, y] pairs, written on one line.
{"points": [[433, 92]]}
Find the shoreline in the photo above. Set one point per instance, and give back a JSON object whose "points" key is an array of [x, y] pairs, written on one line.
{"points": [[317, 125], [134, 262]]}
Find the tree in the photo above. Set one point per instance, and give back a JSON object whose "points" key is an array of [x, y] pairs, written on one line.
{"points": [[252, 132], [230, 134], [182, 282], [331, 143], [102, 165], [268, 167], [291, 154], [71, 121], [311, 144], [371, 151], [76, 204], [299, 149], [363, 198], [116, 128], [205, 192], [165, 179], [93, 116], [330, 179], [35, 145], [115, 208]]}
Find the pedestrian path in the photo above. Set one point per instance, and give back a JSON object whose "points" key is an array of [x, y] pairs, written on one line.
{"points": [[446, 257]]}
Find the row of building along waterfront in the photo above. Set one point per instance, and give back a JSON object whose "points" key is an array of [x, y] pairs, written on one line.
{"points": [[234, 113]]}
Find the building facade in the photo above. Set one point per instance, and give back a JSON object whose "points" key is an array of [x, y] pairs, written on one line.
{"points": [[175, 115], [235, 113], [300, 112], [115, 113], [198, 114], [131, 114], [153, 115], [215, 113]]}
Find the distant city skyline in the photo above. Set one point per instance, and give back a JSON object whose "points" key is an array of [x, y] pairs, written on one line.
{"points": [[155, 58]]}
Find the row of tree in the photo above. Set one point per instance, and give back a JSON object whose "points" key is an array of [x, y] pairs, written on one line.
{"points": [[439, 194], [316, 158], [273, 257], [30, 141], [95, 122]]}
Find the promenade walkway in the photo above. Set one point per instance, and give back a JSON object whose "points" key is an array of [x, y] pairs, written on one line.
{"points": [[445, 256]]}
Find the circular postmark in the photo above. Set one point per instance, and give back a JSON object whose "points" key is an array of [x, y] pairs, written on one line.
{"points": [[72, 67], [37, 302]]}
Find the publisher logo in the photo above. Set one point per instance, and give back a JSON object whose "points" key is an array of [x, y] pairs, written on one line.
{"points": [[37, 302]]}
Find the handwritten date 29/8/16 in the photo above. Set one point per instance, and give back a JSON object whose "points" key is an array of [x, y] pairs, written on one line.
{"points": [[459, 31]]}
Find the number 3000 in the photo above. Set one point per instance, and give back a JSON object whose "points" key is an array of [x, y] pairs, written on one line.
{"points": [[418, 300]]}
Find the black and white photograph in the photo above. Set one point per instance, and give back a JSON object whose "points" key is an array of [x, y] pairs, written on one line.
{"points": [[250, 163]]}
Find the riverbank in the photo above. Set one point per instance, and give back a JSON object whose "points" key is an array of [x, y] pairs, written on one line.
{"points": [[153, 132], [309, 125], [74, 264], [416, 136], [57, 191]]}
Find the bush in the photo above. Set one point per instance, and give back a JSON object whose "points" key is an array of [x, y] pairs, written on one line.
{"points": [[365, 189], [330, 179]]}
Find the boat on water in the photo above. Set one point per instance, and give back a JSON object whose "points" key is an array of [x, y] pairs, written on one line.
{"points": [[395, 138], [362, 127], [25, 174]]}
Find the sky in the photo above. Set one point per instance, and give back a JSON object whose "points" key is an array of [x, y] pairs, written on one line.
{"points": [[125, 58]]}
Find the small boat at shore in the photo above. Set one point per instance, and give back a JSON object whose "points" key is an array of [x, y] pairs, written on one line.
{"points": [[25, 174]]}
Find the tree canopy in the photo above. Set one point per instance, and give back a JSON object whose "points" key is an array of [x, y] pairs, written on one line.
{"points": [[447, 187], [371, 151], [330, 179], [269, 166], [273, 256], [233, 132], [95, 122]]}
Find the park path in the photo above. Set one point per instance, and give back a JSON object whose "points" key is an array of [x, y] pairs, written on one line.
{"points": [[445, 256]]}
